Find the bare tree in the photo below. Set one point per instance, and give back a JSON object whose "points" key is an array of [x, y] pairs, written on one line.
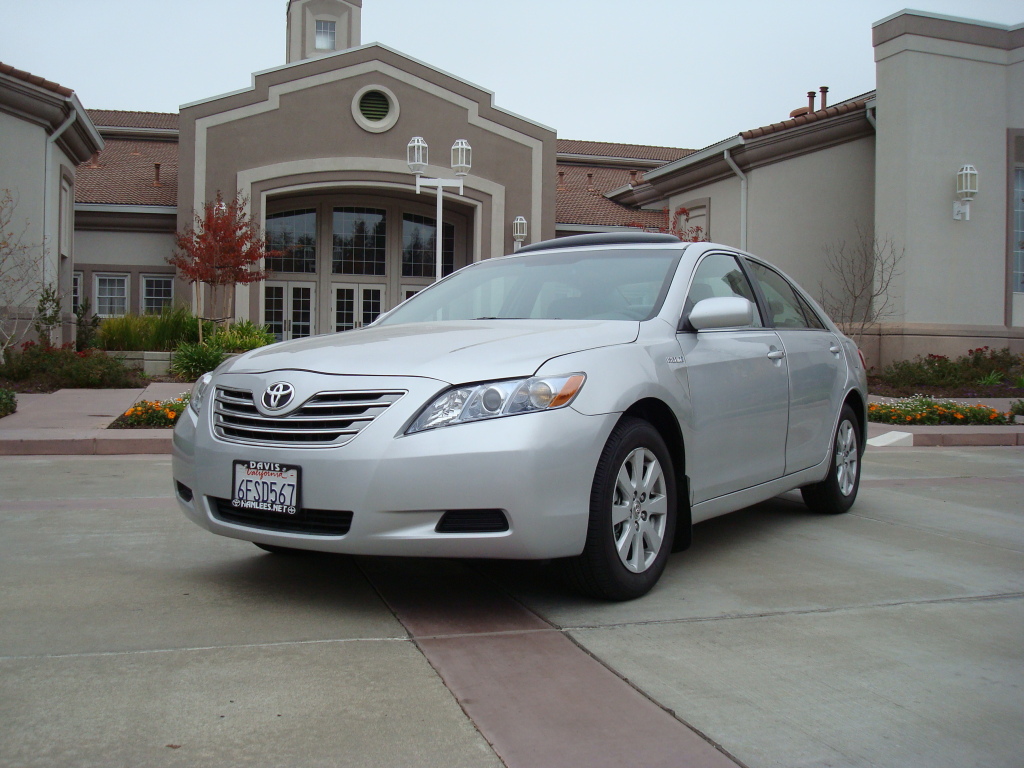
{"points": [[22, 280], [862, 271]]}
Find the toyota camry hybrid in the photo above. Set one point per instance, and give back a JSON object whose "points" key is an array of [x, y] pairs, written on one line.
{"points": [[587, 399]]}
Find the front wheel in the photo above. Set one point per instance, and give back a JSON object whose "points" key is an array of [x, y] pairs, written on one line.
{"points": [[837, 492], [632, 516]]}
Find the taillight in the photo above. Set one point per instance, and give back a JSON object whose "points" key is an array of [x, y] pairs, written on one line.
{"points": [[863, 364]]}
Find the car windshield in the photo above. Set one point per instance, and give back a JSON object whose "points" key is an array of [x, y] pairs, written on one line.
{"points": [[615, 284]]}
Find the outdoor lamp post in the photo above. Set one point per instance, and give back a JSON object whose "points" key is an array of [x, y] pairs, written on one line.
{"points": [[966, 189], [462, 161], [518, 231]]}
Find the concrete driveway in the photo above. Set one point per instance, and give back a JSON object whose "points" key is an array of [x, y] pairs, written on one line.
{"points": [[890, 636]]}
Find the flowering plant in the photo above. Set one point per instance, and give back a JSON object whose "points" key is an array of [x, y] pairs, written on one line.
{"points": [[921, 409], [154, 413]]}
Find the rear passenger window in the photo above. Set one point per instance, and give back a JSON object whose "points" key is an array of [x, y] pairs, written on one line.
{"points": [[786, 307], [719, 274]]}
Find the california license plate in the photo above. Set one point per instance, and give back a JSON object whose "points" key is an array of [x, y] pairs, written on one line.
{"points": [[266, 486]]}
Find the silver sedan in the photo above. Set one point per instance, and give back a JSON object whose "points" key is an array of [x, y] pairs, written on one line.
{"points": [[587, 399]]}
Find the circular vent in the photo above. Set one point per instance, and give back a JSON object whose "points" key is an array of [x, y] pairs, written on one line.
{"points": [[374, 106]]}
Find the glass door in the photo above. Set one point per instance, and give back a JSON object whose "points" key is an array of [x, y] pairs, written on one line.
{"points": [[289, 309], [356, 305]]}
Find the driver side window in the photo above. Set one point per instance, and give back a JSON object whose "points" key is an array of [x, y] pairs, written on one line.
{"points": [[720, 275]]}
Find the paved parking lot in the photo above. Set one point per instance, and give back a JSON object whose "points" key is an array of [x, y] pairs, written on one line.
{"points": [[891, 636]]}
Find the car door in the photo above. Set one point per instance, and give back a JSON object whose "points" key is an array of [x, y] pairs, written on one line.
{"points": [[739, 391], [817, 369]]}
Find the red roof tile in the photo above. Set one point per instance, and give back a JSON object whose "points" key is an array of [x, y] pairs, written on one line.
{"points": [[580, 199], [28, 77], [809, 117], [124, 174], [119, 119], [633, 151]]}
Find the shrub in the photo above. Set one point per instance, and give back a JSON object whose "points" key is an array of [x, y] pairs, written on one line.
{"points": [[193, 360], [925, 410], [50, 368], [1017, 407], [979, 367], [243, 336], [8, 403], [153, 413]]}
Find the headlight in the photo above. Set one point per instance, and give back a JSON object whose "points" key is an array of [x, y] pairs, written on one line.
{"points": [[199, 390], [494, 399]]}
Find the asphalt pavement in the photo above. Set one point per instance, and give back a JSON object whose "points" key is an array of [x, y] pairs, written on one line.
{"points": [[889, 636]]}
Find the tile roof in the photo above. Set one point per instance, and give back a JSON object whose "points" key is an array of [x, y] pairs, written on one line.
{"points": [[28, 77], [580, 199], [809, 117], [608, 149], [124, 174], [114, 118]]}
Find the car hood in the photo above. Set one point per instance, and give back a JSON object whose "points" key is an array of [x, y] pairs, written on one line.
{"points": [[454, 352]]}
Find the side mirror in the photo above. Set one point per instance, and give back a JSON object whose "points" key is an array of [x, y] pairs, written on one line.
{"points": [[721, 312]]}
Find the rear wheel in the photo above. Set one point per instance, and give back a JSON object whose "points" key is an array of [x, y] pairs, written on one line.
{"points": [[632, 516], [837, 492]]}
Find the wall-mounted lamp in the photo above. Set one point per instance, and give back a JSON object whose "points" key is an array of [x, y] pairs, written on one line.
{"points": [[518, 231], [966, 189]]}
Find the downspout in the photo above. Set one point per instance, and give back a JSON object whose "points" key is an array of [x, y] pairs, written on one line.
{"points": [[46, 180], [743, 198]]}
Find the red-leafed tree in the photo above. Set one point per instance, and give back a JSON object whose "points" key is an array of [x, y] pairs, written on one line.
{"points": [[221, 249]]}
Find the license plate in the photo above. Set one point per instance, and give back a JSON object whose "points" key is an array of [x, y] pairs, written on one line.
{"points": [[266, 486]]}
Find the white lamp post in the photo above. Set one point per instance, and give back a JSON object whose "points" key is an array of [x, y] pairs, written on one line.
{"points": [[462, 161], [518, 231], [966, 189]]}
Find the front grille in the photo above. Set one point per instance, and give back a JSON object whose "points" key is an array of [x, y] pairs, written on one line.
{"points": [[327, 419], [317, 522], [472, 521]]}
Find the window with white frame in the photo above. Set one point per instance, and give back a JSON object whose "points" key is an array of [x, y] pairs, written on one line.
{"points": [[1018, 229], [111, 292], [76, 291], [325, 35], [157, 293]]}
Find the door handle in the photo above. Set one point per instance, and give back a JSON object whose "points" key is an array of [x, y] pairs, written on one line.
{"points": [[776, 354], [835, 349]]}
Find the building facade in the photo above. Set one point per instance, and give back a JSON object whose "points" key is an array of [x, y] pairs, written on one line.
{"points": [[318, 148]]}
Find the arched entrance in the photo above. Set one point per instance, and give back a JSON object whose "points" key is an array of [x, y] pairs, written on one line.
{"points": [[347, 257]]}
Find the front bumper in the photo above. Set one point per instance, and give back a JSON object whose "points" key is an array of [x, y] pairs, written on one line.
{"points": [[536, 468]]}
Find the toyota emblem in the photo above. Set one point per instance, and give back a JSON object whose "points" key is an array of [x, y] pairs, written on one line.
{"points": [[278, 395]]}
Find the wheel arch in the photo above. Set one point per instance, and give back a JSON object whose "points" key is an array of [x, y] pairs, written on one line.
{"points": [[658, 414], [856, 401]]}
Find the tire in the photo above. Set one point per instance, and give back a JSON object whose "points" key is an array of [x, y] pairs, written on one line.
{"points": [[632, 516], [837, 492], [276, 550]]}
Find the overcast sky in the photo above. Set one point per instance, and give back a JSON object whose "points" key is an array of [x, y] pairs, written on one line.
{"points": [[668, 72]]}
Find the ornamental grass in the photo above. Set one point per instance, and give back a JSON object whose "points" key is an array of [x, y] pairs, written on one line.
{"points": [[924, 410]]}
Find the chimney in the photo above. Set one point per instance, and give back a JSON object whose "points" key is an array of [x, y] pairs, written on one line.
{"points": [[156, 174], [632, 178], [561, 181], [590, 182], [810, 101], [824, 93]]}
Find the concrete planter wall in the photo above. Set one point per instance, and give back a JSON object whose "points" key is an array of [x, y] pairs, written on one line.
{"points": [[151, 363]]}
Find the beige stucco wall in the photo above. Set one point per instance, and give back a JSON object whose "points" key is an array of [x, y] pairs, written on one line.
{"points": [[23, 180], [942, 104], [796, 207], [804, 204], [122, 249]]}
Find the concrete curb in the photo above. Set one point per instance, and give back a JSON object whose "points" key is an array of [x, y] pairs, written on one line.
{"points": [[58, 442]]}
